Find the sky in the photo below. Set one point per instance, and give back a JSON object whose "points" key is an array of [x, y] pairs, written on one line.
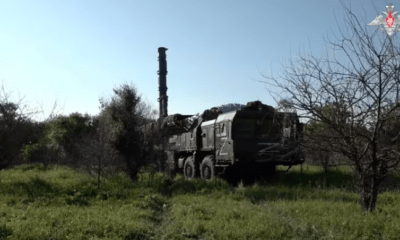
{"points": [[75, 52]]}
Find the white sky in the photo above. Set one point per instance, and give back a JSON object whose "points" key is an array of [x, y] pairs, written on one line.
{"points": [[78, 51]]}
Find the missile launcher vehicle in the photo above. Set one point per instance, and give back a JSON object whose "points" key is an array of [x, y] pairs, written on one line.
{"points": [[243, 143]]}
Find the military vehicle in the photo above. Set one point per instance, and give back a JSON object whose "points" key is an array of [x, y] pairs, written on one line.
{"points": [[247, 142]]}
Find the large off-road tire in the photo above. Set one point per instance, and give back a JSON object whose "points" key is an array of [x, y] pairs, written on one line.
{"points": [[207, 168], [190, 169]]}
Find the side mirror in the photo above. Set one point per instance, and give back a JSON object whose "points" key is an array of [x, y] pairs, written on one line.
{"points": [[203, 134]]}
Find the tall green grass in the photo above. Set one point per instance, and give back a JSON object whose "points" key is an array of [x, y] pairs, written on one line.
{"points": [[60, 203], [304, 203]]}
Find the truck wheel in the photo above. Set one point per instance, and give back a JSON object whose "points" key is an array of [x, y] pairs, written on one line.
{"points": [[207, 169], [189, 169]]}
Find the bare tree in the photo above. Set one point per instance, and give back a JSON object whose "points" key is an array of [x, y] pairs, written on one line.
{"points": [[285, 105], [357, 81], [96, 154], [318, 152]]}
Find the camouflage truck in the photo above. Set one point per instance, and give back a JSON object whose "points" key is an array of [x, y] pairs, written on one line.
{"points": [[246, 143]]}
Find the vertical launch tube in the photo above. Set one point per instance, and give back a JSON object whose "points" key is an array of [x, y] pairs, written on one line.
{"points": [[162, 82]]}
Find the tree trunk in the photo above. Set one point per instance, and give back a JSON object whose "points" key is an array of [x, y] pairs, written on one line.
{"points": [[369, 193], [325, 161], [98, 171], [133, 175], [98, 177], [133, 168]]}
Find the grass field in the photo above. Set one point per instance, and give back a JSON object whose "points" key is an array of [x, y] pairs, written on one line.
{"points": [[304, 203]]}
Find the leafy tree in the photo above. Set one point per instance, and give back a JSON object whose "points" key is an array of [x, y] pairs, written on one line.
{"points": [[123, 116], [58, 140], [16, 128]]}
